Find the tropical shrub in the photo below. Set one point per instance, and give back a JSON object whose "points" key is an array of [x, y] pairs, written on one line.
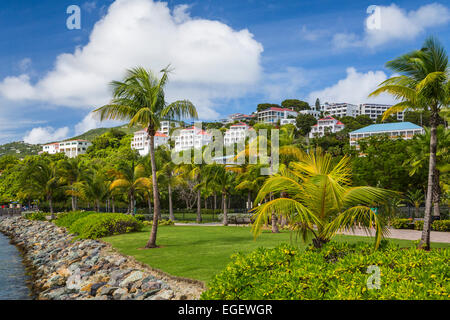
{"points": [[338, 271], [441, 225], [140, 217], [400, 223], [160, 223], [104, 224], [66, 219], [418, 225], [35, 216]]}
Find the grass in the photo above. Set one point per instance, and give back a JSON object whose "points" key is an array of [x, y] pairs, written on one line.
{"points": [[200, 252]]}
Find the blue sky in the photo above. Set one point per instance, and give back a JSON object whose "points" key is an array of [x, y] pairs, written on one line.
{"points": [[293, 49]]}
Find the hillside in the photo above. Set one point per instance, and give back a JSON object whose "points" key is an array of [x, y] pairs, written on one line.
{"points": [[91, 134], [19, 149]]}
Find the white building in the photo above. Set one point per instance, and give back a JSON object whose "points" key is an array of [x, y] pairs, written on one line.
{"points": [[327, 124], [141, 141], [191, 137], [374, 110], [239, 117], [341, 109], [314, 113], [273, 114], [288, 121], [394, 130], [71, 148], [237, 132], [166, 125]]}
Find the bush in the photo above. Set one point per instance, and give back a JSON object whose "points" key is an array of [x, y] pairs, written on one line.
{"points": [[441, 225], [160, 223], [399, 223], [104, 224], [140, 217], [338, 271], [418, 225], [66, 219], [35, 216]]}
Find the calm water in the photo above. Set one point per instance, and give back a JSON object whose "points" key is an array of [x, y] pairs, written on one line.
{"points": [[12, 272]]}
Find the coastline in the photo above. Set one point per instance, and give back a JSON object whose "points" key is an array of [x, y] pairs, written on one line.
{"points": [[65, 268]]}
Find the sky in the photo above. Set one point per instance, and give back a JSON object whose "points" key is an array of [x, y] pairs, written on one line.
{"points": [[226, 56]]}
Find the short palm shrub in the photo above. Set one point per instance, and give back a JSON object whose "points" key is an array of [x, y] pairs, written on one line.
{"points": [[40, 216], [104, 224], [441, 225], [400, 223], [66, 219], [160, 223], [338, 271]]}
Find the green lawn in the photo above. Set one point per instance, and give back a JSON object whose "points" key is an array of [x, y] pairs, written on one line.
{"points": [[199, 252]]}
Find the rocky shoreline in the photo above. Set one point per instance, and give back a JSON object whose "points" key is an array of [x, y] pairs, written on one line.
{"points": [[66, 269]]}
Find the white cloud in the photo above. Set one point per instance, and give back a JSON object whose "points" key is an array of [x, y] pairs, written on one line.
{"points": [[211, 60], [313, 34], [395, 24], [24, 64], [45, 134], [354, 88], [91, 121], [281, 85]]}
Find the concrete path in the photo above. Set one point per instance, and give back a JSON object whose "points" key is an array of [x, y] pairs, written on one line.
{"points": [[436, 236]]}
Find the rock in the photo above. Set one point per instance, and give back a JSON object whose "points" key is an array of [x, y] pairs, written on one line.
{"points": [[95, 287], [117, 295], [107, 290], [133, 277], [150, 286], [163, 295]]}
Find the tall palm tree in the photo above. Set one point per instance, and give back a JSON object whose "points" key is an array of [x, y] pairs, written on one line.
{"points": [[140, 99], [95, 187], [71, 172], [419, 155], [43, 178], [131, 179], [422, 85], [166, 174], [320, 200]]}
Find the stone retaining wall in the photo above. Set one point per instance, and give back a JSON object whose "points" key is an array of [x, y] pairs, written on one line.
{"points": [[68, 269]]}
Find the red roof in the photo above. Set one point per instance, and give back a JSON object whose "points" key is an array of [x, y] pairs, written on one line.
{"points": [[240, 124], [160, 134], [279, 109], [327, 118]]}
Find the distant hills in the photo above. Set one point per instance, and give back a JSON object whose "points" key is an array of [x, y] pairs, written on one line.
{"points": [[22, 149]]}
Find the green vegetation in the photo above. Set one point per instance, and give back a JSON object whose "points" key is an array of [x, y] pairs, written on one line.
{"points": [[19, 149], [98, 225], [338, 271], [66, 219], [200, 252], [40, 216]]}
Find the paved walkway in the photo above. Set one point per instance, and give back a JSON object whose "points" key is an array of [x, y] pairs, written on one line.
{"points": [[436, 236]]}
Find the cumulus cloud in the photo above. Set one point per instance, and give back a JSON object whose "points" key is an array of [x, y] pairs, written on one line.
{"points": [[45, 134], [392, 23], [211, 60], [287, 83], [354, 88], [91, 121]]}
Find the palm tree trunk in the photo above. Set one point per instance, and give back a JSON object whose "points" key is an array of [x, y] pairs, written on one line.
{"points": [[132, 204], [225, 213], [249, 200], [425, 240], [149, 202], [50, 203], [436, 195], [215, 202], [113, 205], [275, 223], [199, 206], [171, 215], [74, 206], [97, 205], [152, 241]]}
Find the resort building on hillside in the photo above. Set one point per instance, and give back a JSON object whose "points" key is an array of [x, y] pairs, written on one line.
{"points": [[191, 137], [166, 125], [394, 130], [374, 110], [71, 148], [326, 125], [239, 117], [273, 114], [341, 109], [237, 132], [141, 141], [288, 121], [314, 113]]}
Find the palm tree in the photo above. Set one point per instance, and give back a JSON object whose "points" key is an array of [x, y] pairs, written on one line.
{"points": [[415, 198], [423, 85], [419, 155], [140, 100], [131, 179], [42, 177], [71, 172], [95, 187], [166, 174], [220, 176], [320, 200]]}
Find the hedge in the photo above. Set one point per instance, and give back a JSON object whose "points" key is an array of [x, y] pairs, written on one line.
{"points": [[104, 224], [338, 271], [437, 225], [66, 219], [35, 216]]}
